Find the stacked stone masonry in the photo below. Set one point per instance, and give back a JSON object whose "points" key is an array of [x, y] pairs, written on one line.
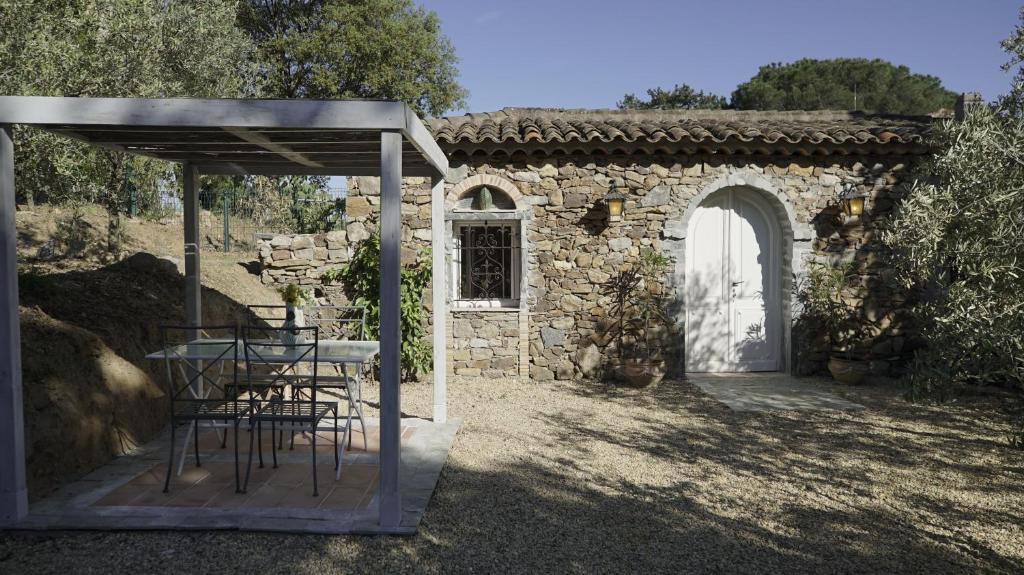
{"points": [[573, 251]]}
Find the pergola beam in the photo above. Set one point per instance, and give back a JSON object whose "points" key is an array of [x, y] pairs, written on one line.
{"points": [[390, 333], [13, 489], [193, 278], [269, 145], [194, 114], [439, 299], [238, 169]]}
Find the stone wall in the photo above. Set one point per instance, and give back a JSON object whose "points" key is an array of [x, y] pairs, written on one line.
{"points": [[485, 344], [573, 251], [302, 259]]}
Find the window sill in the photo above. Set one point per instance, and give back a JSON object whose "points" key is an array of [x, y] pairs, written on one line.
{"points": [[457, 308]]}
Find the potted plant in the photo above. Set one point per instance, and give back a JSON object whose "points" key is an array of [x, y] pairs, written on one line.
{"points": [[824, 298], [640, 320], [294, 298]]}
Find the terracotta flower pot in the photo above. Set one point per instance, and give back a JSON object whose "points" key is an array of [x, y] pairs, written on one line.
{"points": [[847, 371]]}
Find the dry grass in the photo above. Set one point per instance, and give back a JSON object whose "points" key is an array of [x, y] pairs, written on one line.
{"points": [[580, 478]]}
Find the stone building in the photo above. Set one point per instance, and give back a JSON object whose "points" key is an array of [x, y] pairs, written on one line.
{"points": [[738, 199]]}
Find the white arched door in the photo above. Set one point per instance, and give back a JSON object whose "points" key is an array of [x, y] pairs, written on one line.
{"points": [[733, 299]]}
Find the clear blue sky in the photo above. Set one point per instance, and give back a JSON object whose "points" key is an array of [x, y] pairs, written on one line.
{"points": [[577, 53]]}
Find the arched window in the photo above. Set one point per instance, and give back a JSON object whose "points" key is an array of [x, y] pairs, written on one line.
{"points": [[487, 256]]}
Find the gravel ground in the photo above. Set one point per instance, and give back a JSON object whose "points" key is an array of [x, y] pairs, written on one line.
{"points": [[580, 478]]}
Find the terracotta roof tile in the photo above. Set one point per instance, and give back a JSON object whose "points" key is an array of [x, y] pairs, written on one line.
{"points": [[548, 125]]}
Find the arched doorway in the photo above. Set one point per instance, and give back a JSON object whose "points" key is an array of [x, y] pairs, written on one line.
{"points": [[733, 284]]}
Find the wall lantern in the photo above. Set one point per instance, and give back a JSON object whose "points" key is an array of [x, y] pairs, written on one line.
{"points": [[852, 201], [615, 202]]}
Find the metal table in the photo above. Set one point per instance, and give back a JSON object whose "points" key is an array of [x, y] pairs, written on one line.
{"points": [[330, 352]]}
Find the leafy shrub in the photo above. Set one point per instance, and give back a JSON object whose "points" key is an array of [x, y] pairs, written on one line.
{"points": [[331, 275], [72, 233], [825, 304], [958, 245], [361, 284]]}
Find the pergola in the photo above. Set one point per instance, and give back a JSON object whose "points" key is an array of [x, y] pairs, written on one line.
{"points": [[237, 137]]}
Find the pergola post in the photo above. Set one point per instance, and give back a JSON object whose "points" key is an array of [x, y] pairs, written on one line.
{"points": [[193, 284], [440, 300], [13, 490], [390, 336]]}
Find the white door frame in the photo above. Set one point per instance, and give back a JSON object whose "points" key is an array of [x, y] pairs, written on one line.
{"points": [[732, 199], [796, 239]]}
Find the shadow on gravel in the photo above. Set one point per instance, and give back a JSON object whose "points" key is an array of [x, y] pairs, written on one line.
{"points": [[679, 484]]}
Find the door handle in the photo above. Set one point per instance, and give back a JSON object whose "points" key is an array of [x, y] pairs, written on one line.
{"points": [[734, 284]]}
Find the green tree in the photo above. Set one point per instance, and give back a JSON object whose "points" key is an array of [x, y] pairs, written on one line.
{"points": [[387, 49], [680, 97], [844, 84], [93, 48], [957, 242], [1013, 102]]}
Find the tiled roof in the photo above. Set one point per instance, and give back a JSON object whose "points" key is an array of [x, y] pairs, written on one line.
{"points": [[549, 125]]}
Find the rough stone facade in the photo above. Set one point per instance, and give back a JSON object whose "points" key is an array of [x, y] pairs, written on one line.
{"points": [[560, 328]]}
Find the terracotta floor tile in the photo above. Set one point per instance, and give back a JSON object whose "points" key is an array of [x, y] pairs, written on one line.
{"points": [[344, 499], [266, 496], [290, 475], [367, 498], [154, 496], [303, 498], [153, 476], [196, 495], [123, 495], [358, 475], [227, 498]]}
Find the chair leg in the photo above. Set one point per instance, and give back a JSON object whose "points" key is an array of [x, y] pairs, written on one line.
{"points": [[224, 436], [238, 486], [170, 462], [196, 442], [248, 465], [259, 440], [316, 491], [273, 449], [350, 417], [337, 459], [291, 439]]}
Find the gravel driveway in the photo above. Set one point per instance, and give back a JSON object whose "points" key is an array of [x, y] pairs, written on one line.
{"points": [[580, 478]]}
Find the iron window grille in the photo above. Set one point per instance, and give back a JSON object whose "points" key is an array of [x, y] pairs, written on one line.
{"points": [[486, 264]]}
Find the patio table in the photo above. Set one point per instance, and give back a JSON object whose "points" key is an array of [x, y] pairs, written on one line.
{"points": [[332, 352]]}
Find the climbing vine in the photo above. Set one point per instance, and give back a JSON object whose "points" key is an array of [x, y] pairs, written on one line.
{"points": [[361, 284]]}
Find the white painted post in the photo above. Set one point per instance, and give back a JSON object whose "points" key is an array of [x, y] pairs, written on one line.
{"points": [[13, 489], [193, 283], [440, 292], [390, 337]]}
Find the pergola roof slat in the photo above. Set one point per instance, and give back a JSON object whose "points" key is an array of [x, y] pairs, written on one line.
{"points": [[309, 135]]}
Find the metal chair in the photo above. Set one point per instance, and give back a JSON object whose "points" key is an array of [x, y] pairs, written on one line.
{"points": [[282, 351], [341, 323], [189, 362], [272, 315]]}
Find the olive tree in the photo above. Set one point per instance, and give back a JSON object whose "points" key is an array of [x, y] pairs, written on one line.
{"points": [[95, 48], [958, 244]]}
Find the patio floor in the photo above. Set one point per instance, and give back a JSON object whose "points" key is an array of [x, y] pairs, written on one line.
{"points": [[128, 492]]}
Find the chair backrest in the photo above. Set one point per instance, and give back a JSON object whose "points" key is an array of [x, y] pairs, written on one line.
{"points": [[273, 315], [197, 362], [338, 321], [279, 353]]}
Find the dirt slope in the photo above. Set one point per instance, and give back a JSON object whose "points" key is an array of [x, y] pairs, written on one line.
{"points": [[86, 327]]}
